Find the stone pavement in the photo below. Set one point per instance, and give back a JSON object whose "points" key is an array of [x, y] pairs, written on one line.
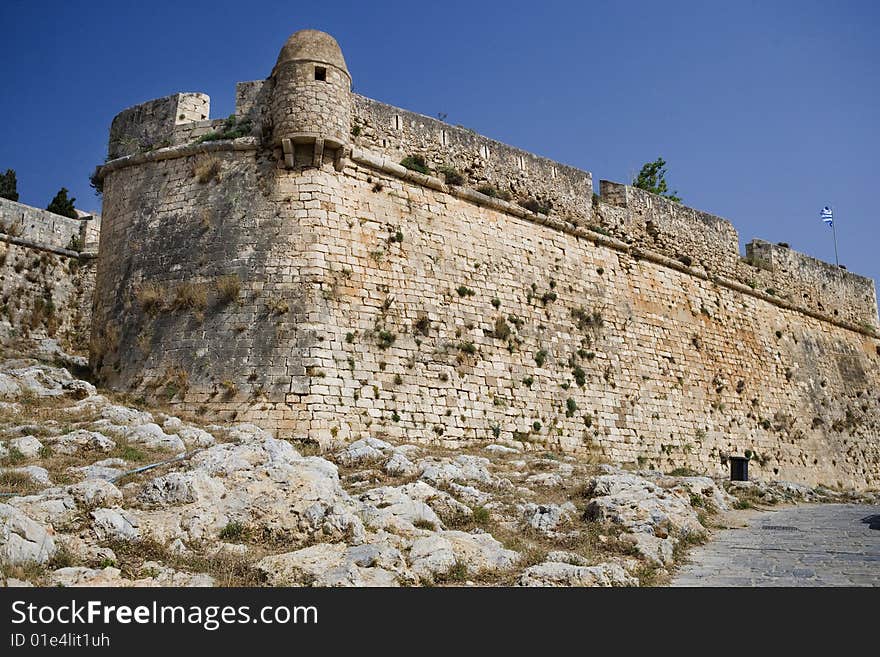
{"points": [[815, 545]]}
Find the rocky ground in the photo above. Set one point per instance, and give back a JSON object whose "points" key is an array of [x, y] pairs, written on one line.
{"points": [[97, 492]]}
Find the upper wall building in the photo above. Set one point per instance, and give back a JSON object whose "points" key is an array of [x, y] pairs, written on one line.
{"points": [[332, 267]]}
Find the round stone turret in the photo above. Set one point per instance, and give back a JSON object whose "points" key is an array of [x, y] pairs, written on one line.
{"points": [[311, 100]]}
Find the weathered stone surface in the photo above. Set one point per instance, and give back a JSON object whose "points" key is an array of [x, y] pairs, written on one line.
{"points": [[107, 469], [391, 509], [23, 540], [36, 473], [363, 451], [181, 488], [262, 483], [658, 551], [464, 469], [437, 554], [80, 439], [95, 493], [546, 518], [151, 435], [28, 446], [335, 564], [552, 573], [78, 576], [640, 506], [115, 524], [571, 558], [400, 466]]}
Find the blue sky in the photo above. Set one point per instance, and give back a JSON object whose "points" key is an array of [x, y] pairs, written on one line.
{"points": [[764, 111]]}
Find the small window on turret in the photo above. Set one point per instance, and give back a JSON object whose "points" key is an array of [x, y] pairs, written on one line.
{"points": [[321, 73]]}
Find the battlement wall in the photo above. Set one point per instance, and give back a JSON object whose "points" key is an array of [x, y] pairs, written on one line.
{"points": [[516, 174], [43, 229], [814, 282], [710, 245]]}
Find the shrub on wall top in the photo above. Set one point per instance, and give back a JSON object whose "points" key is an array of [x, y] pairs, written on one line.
{"points": [[63, 205], [8, 185]]}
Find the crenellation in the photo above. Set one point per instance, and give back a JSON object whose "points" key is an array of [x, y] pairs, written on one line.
{"points": [[375, 300], [814, 283], [514, 174], [47, 229]]}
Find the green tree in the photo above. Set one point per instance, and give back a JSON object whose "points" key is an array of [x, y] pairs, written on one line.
{"points": [[9, 185], [63, 205], [652, 178]]}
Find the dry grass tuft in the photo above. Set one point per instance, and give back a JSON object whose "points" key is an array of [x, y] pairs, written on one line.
{"points": [[206, 168], [228, 289], [190, 296], [151, 297]]}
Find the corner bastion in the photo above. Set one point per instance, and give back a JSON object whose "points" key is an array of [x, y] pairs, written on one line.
{"points": [[331, 267]]}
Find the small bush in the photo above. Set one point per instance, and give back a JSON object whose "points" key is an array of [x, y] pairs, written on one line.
{"points": [[452, 176], [422, 326], [540, 358], [277, 306], [490, 190], [190, 296], [502, 330], [385, 339], [416, 163], [206, 168], [587, 321], [464, 291], [151, 298], [233, 531], [423, 523], [536, 425], [580, 377], [683, 472], [481, 515], [496, 302], [533, 205], [228, 288], [232, 129], [528, 381], [570, 407], [229, 389], [467, 348], [75, 243]]}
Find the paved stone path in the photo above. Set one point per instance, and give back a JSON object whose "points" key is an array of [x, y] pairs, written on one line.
{"points": [[816, 545]]}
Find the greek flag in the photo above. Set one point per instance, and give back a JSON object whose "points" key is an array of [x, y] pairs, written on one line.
{"points": [[827, 216]]}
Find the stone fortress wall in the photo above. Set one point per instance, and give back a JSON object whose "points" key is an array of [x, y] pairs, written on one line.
{"points": [[47, 274], [322, 290]]}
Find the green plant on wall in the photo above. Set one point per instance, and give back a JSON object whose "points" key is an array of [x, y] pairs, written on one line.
{"points": [[652, 178], [415, 163]]}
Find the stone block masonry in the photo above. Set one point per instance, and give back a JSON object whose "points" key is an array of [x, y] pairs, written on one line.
{"points": [[328, 293], [47, 274]]}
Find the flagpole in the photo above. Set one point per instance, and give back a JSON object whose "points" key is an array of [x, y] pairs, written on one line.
{"points": [[834, 232]]}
